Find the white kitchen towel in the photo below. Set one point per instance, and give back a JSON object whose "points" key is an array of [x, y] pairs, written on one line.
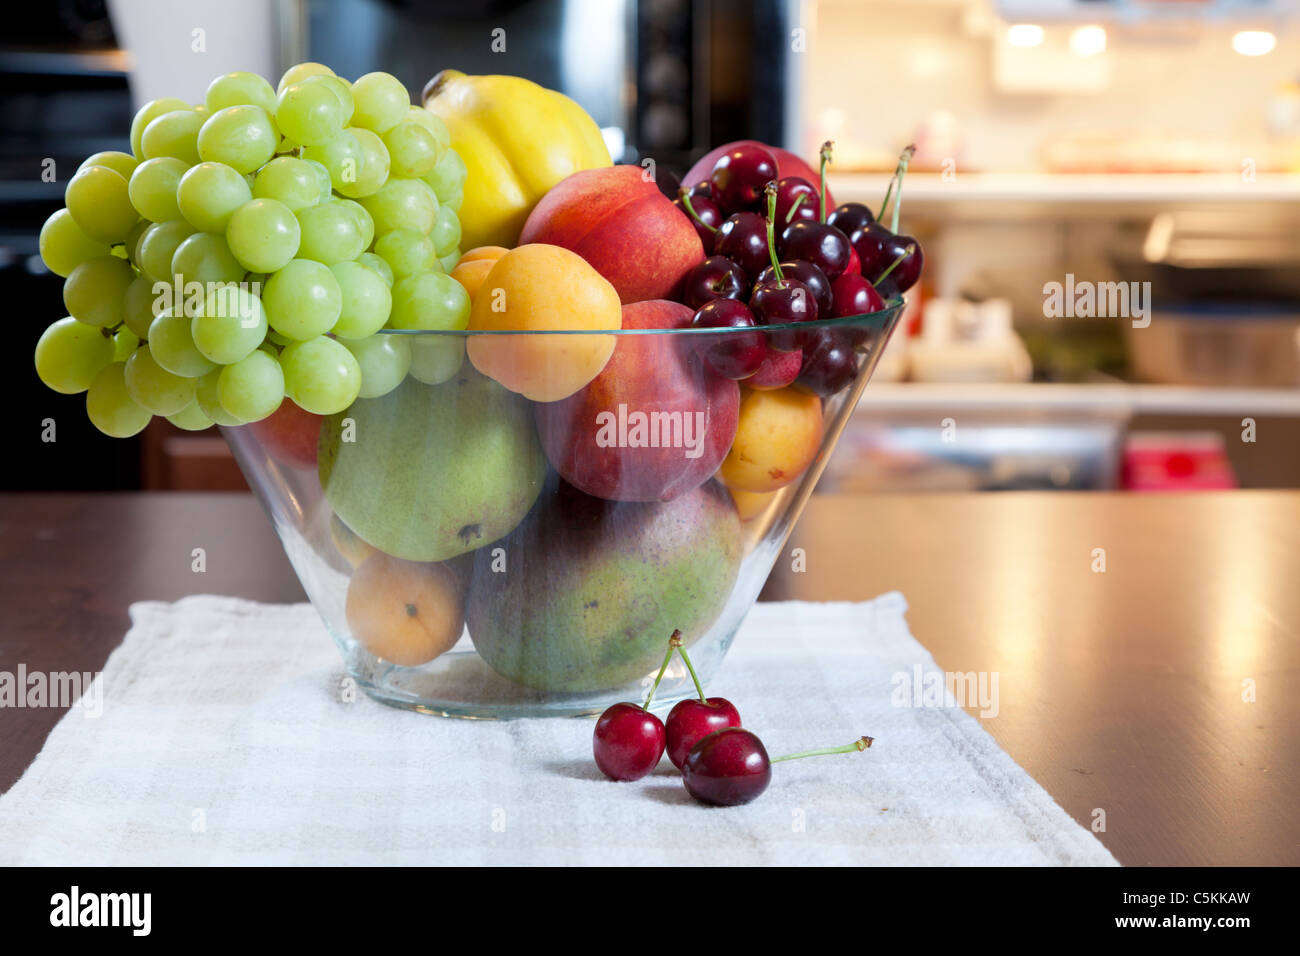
{"points": [[224, 739]]}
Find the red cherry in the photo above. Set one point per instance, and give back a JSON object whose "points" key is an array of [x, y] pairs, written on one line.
{"points": [[690, 721], [855, 264], [704, 215], [810, 276], [727, 768], [796, 198], [739, 176], [735, 355], [731, 766], [824, 246], [853, 295], [742, 238], [717, 277], [628, 742], [829, 365]]}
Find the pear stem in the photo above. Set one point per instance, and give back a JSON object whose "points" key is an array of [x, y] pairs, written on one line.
{"points": [[825, 161], [862, 743], [686, 201], [770, 189], [911, 248], [686, 658], [674, 642]]}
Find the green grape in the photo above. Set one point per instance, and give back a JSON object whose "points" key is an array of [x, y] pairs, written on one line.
{"points": [[448, 177], [173, 134], [275, 338], [239, 89], [309, 113], [111, 408], [341, 89], [138, 306], [241, 137], [121, 163], [303, 300], [171, 340], [446, 232], [229, 324], [294, 182], [384, 362], [153, 387], [381, 101], [341, 157], [147, 114], [125, 342], [251, 388], [376, 264], [435, 358], [433, 123], [449, 261], [373, 170], [191, 418], [158, 246], [133, 239], [210, 404], [403, 204], [323, 177], [321, 375], [366, 224], [209, 193], [263, 235], [69, 354], [331, 232], [367, 301], [204, 257], [152, 188], [64, 245], [406, 251], [300, 72], [99, 200], [95, 290], [431, 300], [413, 149]]}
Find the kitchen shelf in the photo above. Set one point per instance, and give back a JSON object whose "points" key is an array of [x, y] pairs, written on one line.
{"points": [[1047, 397], [1015, 193]]}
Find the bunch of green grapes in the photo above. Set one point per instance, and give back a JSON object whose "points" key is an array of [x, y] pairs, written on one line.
{"points": [[252, 248]]}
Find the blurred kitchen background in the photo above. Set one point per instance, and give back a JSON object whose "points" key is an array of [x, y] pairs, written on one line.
{"points": [[1058, 141]]}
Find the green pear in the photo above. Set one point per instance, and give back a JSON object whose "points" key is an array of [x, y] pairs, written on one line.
{"points": [[429, 472], [585, 593]]}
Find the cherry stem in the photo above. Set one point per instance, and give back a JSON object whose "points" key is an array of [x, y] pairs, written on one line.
{"points": [[862, 743], [674, 643], [686, 658], [686, 201], [825, 161], [911, 248], [798, 201], [903, 159], [770, 189]]}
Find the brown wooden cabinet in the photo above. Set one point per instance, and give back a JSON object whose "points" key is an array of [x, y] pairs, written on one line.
{"points": [[176, 460]]}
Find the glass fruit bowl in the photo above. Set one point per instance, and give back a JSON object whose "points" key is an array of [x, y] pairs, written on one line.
{"points": [[475, 553]]}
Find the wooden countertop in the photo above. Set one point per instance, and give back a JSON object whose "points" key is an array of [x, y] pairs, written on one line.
{"points": [[1119, 691]]}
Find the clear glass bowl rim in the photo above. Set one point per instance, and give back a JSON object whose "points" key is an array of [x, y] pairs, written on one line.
{"points": [[877, 320]]}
